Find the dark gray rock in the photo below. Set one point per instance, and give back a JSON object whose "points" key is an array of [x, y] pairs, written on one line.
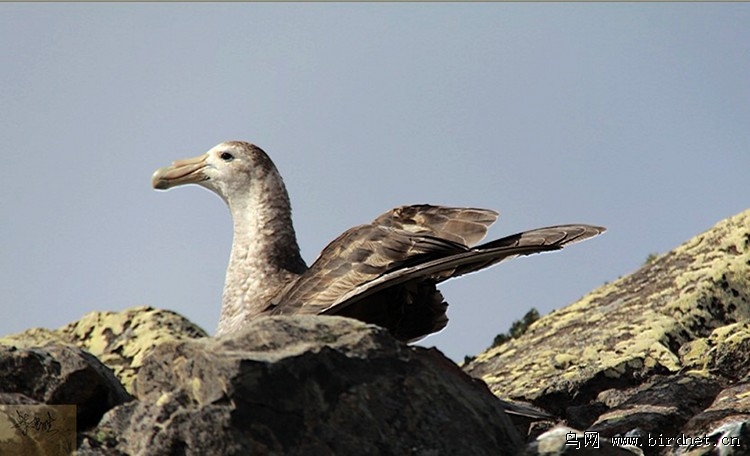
{"points": [[660, 405], [59, 375], [561, 441], [305, 386]]}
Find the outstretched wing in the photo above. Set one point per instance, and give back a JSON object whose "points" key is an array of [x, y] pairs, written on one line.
{"points": [[454, 264], [406, 247], [399, 238]]}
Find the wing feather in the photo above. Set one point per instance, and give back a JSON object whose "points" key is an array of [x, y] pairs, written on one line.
{"points": [[524, 243], [463, 225], [358, 256], [411, 244]]}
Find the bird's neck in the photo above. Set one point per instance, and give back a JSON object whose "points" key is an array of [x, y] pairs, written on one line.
{"points": [[265, 256]]}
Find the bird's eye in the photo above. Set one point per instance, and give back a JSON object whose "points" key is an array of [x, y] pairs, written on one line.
{"points": [[226, 156]]}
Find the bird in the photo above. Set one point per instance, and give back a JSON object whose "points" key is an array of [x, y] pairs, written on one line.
{"points": [[384, 272]]}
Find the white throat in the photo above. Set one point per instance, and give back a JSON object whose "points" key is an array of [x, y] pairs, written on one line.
{"points": [[265, 256]]}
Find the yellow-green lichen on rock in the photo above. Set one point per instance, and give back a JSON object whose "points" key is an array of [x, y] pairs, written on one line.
{"points": [[119, 339], [725, 351], [635, 325]]}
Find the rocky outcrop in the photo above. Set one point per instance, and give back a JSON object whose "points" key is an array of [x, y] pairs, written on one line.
{"points": [[120, 340], [304, 385], [61, 375], [661, 352], [659, 358], [286, 385]]}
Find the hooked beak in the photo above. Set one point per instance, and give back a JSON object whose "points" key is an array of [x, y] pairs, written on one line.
{"points": [[180, 172]]}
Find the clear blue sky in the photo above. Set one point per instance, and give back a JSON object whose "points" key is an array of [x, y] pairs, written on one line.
{"points": [[633, 116]]}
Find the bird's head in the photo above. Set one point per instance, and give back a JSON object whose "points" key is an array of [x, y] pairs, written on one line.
{"points": [[227, 169]]}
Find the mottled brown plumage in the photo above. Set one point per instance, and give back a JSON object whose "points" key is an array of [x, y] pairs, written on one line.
{"points": [[384, 272]]}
